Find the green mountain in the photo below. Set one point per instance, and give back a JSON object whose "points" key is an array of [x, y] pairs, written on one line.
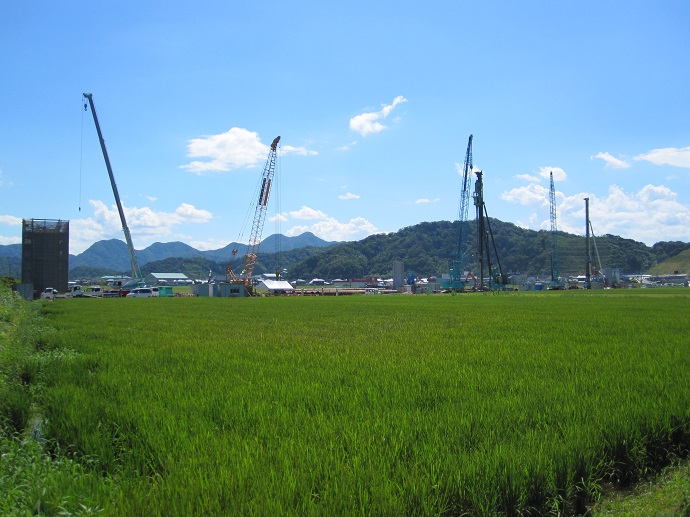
{"points": [[678, 263], [113, 256], [425, 250]]}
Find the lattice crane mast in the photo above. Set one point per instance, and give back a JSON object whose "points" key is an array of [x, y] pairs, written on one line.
{"points": [[258, 223], [555, 282], [136, 272], [457, 265]]}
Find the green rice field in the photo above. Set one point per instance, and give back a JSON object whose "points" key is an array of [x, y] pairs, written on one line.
{"points": [[476, 404]]}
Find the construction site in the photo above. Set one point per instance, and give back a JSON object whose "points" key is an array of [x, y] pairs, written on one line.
{"points": [[44, 265]]}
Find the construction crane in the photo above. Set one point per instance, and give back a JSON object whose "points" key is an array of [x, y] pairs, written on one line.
{"points": [[485, 242], [457, 263], [555, 282], [136, 272], [258, 224]]}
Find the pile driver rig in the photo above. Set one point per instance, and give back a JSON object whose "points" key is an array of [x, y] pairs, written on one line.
{"points": [[485, 241]]}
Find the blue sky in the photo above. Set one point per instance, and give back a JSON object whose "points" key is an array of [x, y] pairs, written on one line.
{"points": [[374, 103]]}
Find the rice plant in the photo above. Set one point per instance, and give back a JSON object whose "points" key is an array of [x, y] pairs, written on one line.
{"points": [[474, 404]]}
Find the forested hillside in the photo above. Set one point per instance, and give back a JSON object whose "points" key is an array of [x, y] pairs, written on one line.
{"points": [[424, 249], [678, 262]]}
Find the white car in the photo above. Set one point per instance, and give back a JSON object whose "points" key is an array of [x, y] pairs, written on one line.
{"points": [[140, 292], [48, 293]]}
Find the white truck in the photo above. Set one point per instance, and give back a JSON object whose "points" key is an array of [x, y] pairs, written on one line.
{"points": [[93, 291], [49, 293], [74, 291]]}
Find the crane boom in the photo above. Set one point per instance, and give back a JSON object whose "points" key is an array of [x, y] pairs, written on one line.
{"points": [[136, 272], [457, 265], [251, 257], [556, 282], [554, 229]]}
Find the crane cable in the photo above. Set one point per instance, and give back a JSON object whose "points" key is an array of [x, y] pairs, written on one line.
{"points": [[279, 237], [81, 151]]}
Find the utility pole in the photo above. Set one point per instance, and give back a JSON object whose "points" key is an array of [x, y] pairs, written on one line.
{"points": [[588, 250]]}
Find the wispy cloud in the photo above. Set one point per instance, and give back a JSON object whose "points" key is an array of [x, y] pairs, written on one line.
{"points": [[300, 151], [347, 196], [528, 177], [612, 161], [347, 147], [668, 156], [370, 122], [423, 200]]}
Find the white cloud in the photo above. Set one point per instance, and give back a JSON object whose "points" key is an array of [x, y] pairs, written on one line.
{"points": [[144, 224], [233, 149], [347, 147], [327, 227], [558, 173], [347, 196], [152, 198], [425, 200], [668, 156], [331, 229], [528, 177], [10, 220], [4, 241], [189, 213], [307, 213], [531, 194], [278, 217], [210, 244], [300, 151], [650, 215], [612, 161], [370, 122], [460, 167]]}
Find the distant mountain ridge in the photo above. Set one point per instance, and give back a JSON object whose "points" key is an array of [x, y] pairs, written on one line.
{"points": [[424, 249], [113, 253]]}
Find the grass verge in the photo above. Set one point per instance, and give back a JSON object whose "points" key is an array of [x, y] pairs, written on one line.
{"points": [[665, 495], [33, 482]]}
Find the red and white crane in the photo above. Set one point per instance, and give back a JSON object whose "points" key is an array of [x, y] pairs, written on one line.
{"points": [[258, 224]]}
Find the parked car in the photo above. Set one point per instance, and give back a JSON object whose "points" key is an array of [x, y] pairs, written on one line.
{"points": [[140, 292], [93, 291], [48, 293]]}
